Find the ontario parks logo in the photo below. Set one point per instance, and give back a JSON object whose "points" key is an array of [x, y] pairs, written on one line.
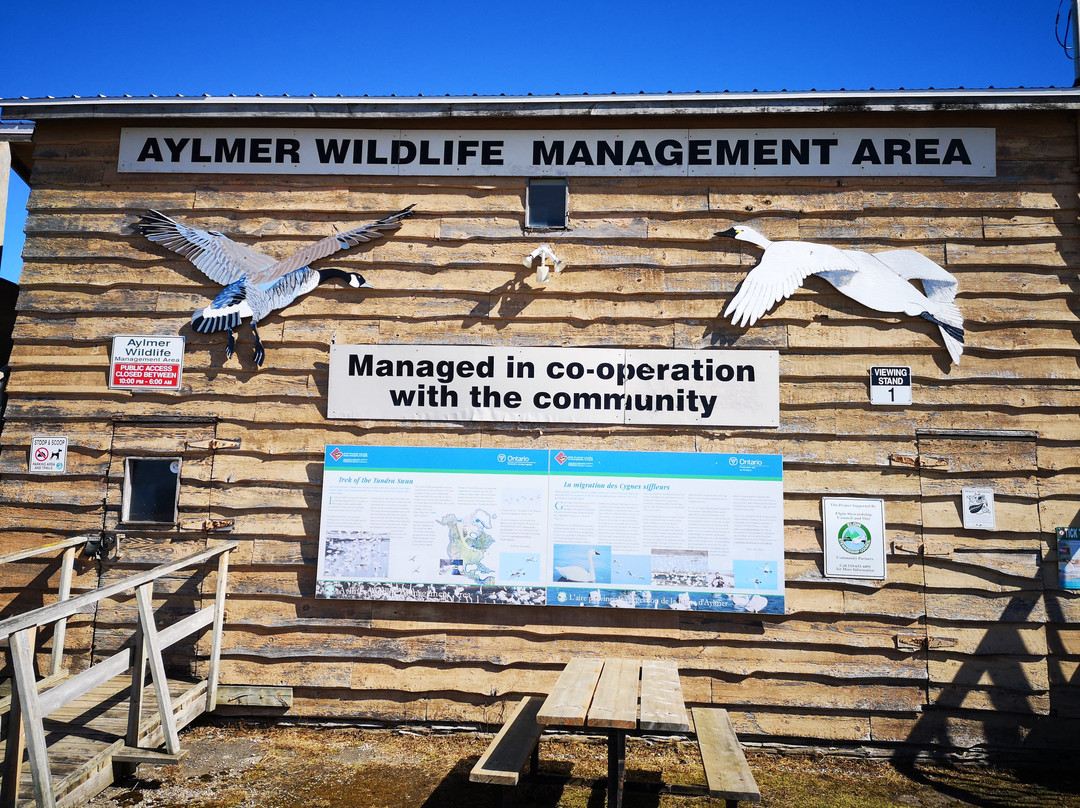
{"points": [[854, 538]]}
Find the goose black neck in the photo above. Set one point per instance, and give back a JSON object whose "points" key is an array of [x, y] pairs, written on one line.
{"points": [[327, 274]]}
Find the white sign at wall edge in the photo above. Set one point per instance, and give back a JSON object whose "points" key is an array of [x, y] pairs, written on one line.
{"points": [[466, 383], [853, 533]]}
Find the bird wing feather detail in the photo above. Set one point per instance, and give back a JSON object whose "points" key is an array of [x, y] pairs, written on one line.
{"points": [[779, 274], [938, 284], [220, 258], [330, 245]]}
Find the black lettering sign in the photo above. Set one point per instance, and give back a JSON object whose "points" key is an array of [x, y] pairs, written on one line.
{"points": [[176, 147], [491, 153], [580, 154], [260, 150], [765, 153], [287, 147], [956, 152], [639, 153], [728, 155], [197, 155], [897, 150], [402, 152], [150, 151], [669, 153], [866, 153], [331, 151], [547, 155], [226, 152]]}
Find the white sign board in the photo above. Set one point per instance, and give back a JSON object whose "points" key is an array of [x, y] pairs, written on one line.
{"points": [[567, 527], [854, 533], [978, 508], [48, 454], [715, 388], [840, 152], [890, 386], [146, 362]]}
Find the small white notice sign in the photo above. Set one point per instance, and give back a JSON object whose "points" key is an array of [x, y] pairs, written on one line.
{"points": [[48, 454], [890, 385], [978, 508], [854, 538], [146, 362]]}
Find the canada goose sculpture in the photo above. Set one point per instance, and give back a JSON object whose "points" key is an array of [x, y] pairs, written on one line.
{"points": [[880, 281], [580, 574], [256, 284]]}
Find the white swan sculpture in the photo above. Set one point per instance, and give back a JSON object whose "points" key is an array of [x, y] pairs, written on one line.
{"points": [[580, 574], [879, 281]]}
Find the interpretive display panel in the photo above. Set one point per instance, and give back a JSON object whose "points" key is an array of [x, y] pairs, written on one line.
{"points": [[645, 530]]}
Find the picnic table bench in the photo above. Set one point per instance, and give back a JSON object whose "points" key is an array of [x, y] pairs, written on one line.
{"points": [[618, 696]]}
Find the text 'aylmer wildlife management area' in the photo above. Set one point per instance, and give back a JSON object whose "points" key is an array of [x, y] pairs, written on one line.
{"points": [[555, 385]]}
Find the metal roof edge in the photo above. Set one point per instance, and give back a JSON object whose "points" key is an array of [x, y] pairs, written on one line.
{"points": [[16, 132], [315, 107]]}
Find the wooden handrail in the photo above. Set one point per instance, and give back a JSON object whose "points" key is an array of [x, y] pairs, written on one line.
{"points": [[29, 706], [67, 571], [19, 555], [58, 611]]}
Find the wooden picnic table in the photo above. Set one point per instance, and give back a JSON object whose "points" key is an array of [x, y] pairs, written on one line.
{"points": [[617, 695]]}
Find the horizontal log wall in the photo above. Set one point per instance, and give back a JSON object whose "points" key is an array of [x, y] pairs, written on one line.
{"points": [[969, 642]]}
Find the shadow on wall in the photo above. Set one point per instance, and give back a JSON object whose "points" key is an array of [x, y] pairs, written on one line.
{"points": [[9, 292]]}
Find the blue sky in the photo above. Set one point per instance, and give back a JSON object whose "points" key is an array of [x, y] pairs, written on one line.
{"points": [[483, 47]]}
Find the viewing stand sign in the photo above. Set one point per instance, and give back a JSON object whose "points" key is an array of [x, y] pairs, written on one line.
{"points": [[642, 530]]}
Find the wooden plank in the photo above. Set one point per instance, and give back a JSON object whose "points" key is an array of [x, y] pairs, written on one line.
{"points": [[14, 747], [726, 770], [22, 661], [568, 703], [67, 569], [138, 688], [507, 753], [47, 549], [662, 706], [133, 754], [219, 622], [152, 644], [248, 696], [615, 700]]}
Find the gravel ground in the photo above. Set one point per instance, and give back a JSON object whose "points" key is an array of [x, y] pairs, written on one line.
{"points": [[273, 766]]}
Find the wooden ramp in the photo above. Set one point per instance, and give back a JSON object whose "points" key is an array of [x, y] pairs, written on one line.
{"points": [[86, 738], [75, 729]]}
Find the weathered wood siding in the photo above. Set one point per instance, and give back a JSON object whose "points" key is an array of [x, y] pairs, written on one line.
{"points": [[968, 642]]}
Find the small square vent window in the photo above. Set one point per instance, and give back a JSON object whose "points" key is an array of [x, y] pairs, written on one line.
{"points": [[545, 203], [151, 490]]}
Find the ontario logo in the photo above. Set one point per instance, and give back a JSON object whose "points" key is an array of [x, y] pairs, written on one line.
{"points": [[561, 458], [337, 454]]}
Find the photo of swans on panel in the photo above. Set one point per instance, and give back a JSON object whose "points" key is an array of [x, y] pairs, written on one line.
{"points": [[519, 568], [756, 574], [353, 554], [635, 570], [680, 568], [581, 564]]}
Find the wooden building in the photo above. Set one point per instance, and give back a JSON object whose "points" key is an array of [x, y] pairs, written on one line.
{"points": [[967, 644]]}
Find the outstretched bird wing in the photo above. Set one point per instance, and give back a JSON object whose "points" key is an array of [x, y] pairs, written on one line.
{"points": [[331, 245], [219, 257], [782, 269], [938, 284]]}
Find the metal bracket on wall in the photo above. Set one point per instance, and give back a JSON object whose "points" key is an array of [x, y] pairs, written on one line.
{"points": [[909, 642], [213, 445], [210, 525]]}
